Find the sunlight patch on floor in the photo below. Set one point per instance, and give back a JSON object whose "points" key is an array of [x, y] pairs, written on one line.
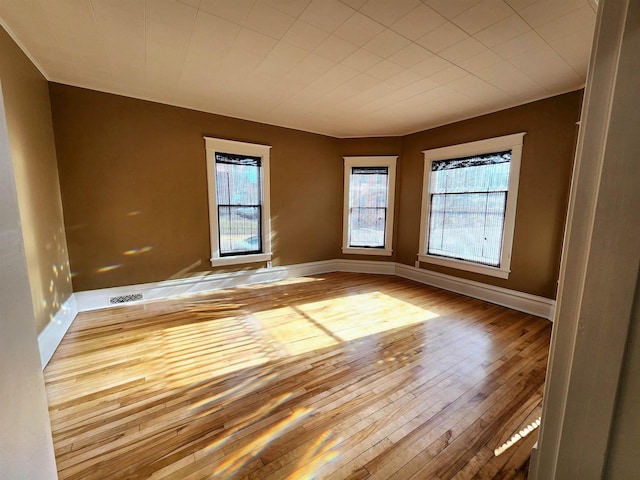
{"points": [[293, 331], [311, 326], [383, 313]]}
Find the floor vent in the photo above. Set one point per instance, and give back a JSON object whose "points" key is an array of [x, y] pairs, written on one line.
{"points": [[134, 297]]}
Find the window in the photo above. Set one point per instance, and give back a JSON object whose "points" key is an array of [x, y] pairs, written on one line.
{"points": [[369, 185], [238, 181], [469, 203]]}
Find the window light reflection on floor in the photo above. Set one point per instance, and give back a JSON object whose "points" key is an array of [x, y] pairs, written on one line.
{"points": [[229, 338], [289, 331], [247, 421], [246, 387], [304, 328], [253, 449], [228, 350]]}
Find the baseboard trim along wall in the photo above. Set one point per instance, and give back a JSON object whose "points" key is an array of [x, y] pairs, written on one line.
{"points": [[52, 335], [96, 299], [523, 302]]}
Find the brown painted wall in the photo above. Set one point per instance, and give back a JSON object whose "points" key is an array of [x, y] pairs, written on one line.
{"points": [[33, 154], [543, 192], [133, 175]]}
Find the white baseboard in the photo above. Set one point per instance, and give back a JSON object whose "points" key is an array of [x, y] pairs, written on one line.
{"points": [[524, 302], [364, 266], [96, 299], [51, 336]]}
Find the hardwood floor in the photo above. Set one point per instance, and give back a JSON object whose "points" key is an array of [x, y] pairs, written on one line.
{"points": [[335, 376]]}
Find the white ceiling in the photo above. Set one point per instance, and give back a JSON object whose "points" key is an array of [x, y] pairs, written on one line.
{"points": [[343, 68]]}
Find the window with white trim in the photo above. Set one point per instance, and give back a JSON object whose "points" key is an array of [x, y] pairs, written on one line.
{"points": [[369, 191], [238, 184], [469, 199]]}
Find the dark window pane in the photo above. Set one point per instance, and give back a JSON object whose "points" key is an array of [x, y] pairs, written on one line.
{"points": [[239, 229]]}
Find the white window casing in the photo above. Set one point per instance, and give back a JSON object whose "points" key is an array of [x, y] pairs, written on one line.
{"points": [[513, 143], [213, 145], [371, 161]]}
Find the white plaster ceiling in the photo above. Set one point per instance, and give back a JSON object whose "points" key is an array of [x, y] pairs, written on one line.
{"points": [[339, 67]]}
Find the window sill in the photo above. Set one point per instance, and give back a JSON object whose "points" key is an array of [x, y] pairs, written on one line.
{"points": [[239, 259], [468, 266], [366, 251]]}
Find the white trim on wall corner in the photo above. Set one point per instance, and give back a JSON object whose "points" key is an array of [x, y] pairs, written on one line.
{"points": [[52, 335]]}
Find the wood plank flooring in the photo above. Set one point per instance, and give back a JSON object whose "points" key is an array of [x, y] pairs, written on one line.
{"points": [[335, 376]]}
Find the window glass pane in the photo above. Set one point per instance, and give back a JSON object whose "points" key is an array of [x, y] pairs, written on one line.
{"points": [[468, 205], [239, 229], [368, 187], [234, 159], [239, 204], [237, 183], [367, 227], [484, 173], [467, 226], [368, 197]]}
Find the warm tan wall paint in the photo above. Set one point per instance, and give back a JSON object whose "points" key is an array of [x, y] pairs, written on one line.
{"points": [[31, 142], [133, 175], [545, 178], [26, 447]]}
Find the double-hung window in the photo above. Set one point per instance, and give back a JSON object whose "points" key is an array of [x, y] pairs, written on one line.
{"points": [[369, 187], [238, 183], [469, 204]]}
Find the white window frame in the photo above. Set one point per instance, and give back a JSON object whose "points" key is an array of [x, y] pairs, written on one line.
{"points": [[376, 161], [508, 142], [213, 145]]}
